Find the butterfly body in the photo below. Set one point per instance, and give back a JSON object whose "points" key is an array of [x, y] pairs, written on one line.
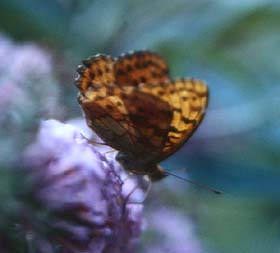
{"points": [[133, 105], [141, 164]]}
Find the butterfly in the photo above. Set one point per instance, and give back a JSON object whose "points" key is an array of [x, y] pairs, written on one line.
{"points": [[136, 108]]}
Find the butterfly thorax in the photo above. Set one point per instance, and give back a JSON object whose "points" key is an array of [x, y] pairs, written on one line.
{"points": [[140, 165]]}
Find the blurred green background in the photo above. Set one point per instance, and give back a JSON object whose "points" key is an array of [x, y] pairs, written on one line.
{"points": [[234, 45]]}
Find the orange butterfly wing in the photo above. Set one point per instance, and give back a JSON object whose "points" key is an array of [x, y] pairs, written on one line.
{"points": [[193, 95], [151, 116], [106, 115], [133, 106], [98, 69], [140, 67], [127, 119], [188, 99]]}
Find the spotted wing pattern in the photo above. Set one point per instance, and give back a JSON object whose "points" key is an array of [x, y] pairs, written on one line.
{"points": [[95, 70], [188, 100], [133, 106], [126, 118], [151, 116], [193, 100], [134, 68]]}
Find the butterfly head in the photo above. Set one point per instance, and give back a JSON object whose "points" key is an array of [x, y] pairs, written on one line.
{"points": [[140, 166]]}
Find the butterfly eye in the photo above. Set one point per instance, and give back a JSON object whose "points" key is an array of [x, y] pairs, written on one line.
{"points": [[122, 158], [126, 160]]}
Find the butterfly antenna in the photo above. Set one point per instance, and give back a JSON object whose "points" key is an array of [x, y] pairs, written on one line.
{"points": [[110, 151], [202, 186]]}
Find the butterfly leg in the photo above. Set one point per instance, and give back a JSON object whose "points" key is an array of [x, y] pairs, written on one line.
{"points": [[93, 142], [145, 187]]}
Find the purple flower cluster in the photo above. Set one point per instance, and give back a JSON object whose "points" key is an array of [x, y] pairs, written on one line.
{"points": [[29, 91], [26, 78], [84, 191]]}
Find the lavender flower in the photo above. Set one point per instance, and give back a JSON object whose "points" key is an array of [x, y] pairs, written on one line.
{"points": [[28, 92], [83, 191], [28, 69]]}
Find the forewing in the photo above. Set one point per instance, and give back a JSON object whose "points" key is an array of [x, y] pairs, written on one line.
{"points": [[107, 115], [140, 67], [97, 69], [126, 118], [189, 101], [150, 115]]}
